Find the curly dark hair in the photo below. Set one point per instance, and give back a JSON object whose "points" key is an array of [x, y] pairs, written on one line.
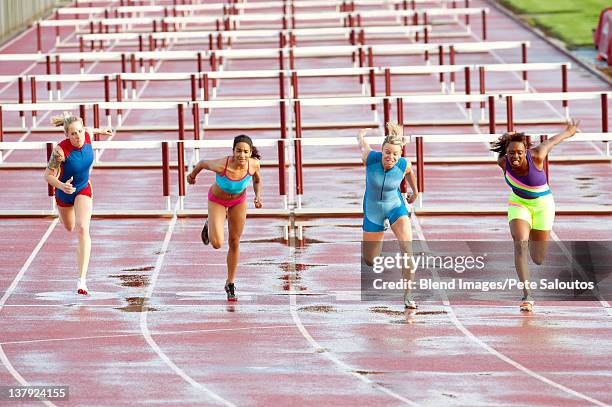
{"points": [[243, 138], [499, 146]]}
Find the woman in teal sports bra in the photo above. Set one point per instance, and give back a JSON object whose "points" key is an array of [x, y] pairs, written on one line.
{"points": [[227, 198], [531, 207]]}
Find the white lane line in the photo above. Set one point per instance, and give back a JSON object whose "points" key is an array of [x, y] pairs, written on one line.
{"points": [[28, 262], [320, 350], [145, 329], [188, 331], [489, 348], [5, 361], [143, 317], [605, 304]]}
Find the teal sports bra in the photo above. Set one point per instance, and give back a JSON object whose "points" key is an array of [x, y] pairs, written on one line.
{"points": [[232, 186]]}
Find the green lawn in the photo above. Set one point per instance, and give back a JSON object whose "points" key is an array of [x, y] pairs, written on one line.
{"points": [[572, 21]]}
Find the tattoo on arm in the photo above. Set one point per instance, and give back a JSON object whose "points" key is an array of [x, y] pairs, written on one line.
{"points": [[55, 161]]}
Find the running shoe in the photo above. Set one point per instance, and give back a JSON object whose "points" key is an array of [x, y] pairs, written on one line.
{"points": [[386, 224], [205, 239], [409, 302], [230, 290], [82, 288], [527, 303]]}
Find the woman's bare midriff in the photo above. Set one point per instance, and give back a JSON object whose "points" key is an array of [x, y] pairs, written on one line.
{"points": [[221, 194]]}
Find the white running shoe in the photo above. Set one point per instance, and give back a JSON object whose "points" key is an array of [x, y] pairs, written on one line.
{"points": [[527, 303], [82, 288], [409, 302]]}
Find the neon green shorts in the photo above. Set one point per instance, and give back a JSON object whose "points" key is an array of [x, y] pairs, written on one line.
{"points": [[539, 212]]}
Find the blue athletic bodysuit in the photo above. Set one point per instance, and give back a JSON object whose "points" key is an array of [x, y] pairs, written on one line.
{"points": [[382, 199]]}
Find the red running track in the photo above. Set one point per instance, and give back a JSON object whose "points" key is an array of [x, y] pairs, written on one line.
{"points": [[157, 327]]}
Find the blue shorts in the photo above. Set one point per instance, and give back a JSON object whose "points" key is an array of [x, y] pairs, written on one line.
{"points": [[372, 216]]}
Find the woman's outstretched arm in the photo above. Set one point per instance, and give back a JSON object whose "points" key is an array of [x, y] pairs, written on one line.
{"points": [[211, 165], [363, 145], [542, 150]]}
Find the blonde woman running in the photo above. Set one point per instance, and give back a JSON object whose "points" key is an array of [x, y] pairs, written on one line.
{"points": [[68, 172], [383, 200]]}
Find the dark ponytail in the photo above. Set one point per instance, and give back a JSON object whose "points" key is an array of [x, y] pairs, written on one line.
{"points": [[499, 146], [243, 138]]}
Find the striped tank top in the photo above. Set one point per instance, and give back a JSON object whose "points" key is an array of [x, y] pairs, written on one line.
{"points": [[530, 186]]}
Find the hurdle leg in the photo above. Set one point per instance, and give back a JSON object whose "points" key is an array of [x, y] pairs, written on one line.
{"points": [[300, 233]]}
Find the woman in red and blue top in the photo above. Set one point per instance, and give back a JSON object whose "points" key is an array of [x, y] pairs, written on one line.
{"points": [[227, 199], [531, 207], [68, 172]]}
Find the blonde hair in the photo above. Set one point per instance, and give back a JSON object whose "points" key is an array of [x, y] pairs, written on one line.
{"points": [[396, 135], [66, 119]]}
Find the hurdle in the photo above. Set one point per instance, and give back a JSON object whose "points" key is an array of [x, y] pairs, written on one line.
{"points": [[163, 146], [400, 100], [181, 143], [303, 4], [95, 107], [255, 36], [487, 138], [199, 79], [542, 66], [281, 146], [564, 97], [106, 56], [301, 212], [468, 99], [267, 53]]}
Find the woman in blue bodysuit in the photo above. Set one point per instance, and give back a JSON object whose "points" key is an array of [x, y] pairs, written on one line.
{"points": [[68, 172], [383, 200]]}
